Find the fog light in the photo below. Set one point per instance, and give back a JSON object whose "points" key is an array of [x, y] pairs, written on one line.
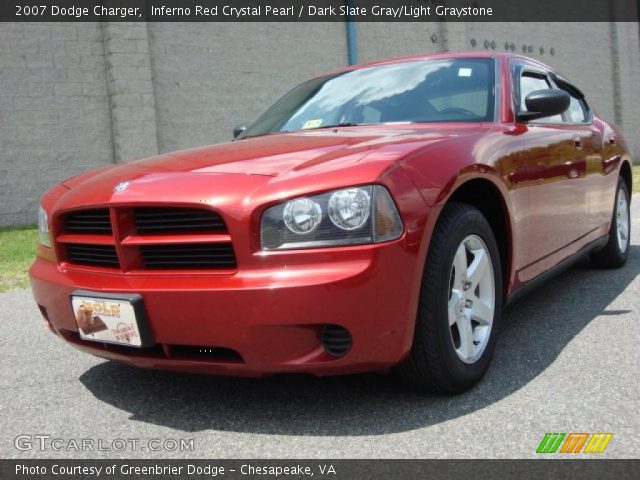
{"points": [[336, 340]]}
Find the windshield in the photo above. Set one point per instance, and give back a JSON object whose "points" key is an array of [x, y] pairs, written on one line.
{"points": [[420, 91]]}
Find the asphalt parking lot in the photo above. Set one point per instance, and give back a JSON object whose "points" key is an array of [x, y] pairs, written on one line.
{"points": [[568, 361]]}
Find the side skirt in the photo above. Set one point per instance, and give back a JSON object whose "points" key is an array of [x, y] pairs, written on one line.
{"points": [[559, 268]]}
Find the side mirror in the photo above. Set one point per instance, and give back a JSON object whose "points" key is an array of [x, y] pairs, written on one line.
{"points": [[238, 130], [544, 103]]}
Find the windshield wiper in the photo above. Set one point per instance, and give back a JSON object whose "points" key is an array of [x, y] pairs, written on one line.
{"points": [[337, 125], [341, 124]]}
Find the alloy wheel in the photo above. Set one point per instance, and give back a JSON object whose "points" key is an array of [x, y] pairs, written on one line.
{"points": [[472, 299], [622, 220]]}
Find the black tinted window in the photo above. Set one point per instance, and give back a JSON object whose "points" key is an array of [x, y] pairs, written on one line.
{"points": [[577, 111]]}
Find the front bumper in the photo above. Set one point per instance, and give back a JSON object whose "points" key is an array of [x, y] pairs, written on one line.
{"points": [[270, 317]]}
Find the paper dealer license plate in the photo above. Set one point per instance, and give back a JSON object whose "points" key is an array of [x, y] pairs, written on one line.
{"points": [[110, 318]]}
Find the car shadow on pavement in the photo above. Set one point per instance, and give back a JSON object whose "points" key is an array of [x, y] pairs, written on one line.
{"points": [[535, 331]]}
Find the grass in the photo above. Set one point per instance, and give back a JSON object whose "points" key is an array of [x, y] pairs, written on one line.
{"points": [[17, 251]]}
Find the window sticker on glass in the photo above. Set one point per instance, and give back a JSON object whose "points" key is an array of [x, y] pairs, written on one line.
{"points": [[464, 72], [315, 123]]}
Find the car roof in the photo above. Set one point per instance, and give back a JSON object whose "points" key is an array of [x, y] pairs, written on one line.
{"points": [[409, 58]]}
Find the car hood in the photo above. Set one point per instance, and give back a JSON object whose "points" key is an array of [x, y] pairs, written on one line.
{"points": [[279, 154], [266, 159]]}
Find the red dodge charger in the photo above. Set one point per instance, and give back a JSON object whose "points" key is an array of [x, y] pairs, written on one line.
{"points": [[378, 216]]}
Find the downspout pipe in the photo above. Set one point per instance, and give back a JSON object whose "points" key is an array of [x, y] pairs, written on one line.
{"points": [[352, 45]]}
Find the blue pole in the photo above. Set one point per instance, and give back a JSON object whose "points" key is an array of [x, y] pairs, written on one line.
{"points": [[352, 47]]}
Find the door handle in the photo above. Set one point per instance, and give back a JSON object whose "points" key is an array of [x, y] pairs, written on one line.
{"points": [[577, 141]]}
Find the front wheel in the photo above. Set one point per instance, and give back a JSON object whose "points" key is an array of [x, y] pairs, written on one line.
{"points": [[460, 305], [616, 251]]}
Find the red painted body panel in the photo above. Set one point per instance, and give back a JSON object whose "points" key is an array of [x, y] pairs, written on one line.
{"points": [[270, 309]]}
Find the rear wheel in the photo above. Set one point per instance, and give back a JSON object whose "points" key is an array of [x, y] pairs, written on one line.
{"points": [[616, 252], [460, 305]]}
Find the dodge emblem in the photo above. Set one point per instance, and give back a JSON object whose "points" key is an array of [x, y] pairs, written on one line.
{"points": [[121, 187]]}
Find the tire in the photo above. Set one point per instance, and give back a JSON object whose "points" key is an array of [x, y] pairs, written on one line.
{"points": [[440, 361], [616, 251]]}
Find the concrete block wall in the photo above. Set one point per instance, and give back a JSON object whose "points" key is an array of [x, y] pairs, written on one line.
{"points": [[54, 111], [628, 58], [130, 87], [209, 78], [75, 96], [380, 40]]}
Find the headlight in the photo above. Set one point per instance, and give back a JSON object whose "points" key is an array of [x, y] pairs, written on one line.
{"points": [[349, 209], [302, 216], [347, 216], [43, 227]]}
